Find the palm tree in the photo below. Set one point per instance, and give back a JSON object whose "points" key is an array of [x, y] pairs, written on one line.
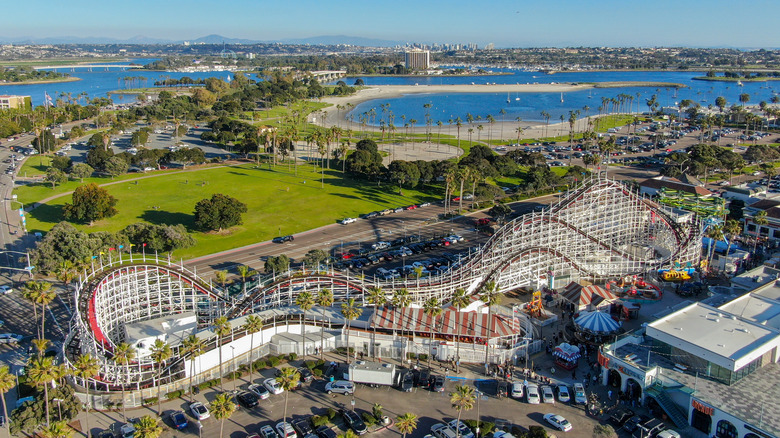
{"points": [[193, 347], [223, 407], [221, 277], [401, 299], [462, 399], [245, 271], [305, 301], [30, 292], [759, 219], [86, 367], [123, 355], [376, 298], [406, 423], [147, 427], [324, 299], [58, 429], [160, 352], [491, 297], [41, 294], [288, 379], [7, 381], [351, 311], [459, 300], [432, 308], [40, 371], [222, 328], [731, 228], [252, 325]]}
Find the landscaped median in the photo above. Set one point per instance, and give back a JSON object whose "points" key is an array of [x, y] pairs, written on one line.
{"points": [[277, 201]]}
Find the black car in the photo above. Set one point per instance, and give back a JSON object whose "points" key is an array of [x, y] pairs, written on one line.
{"points": [[283, 239], [302, 426], [634, 422], [620, 417], [247, 399], [325, 432], [306, 374], [354, 422], [437, 383], [407, 381], [424, 378]]}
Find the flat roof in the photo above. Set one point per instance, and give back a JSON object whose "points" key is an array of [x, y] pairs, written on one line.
{"points": [[715, 335], [172, 328], [757, 308], [771, 291]]}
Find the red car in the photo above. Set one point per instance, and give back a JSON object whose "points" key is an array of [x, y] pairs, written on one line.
{"points": [[411, 207], [456, 199], [345, 256]]}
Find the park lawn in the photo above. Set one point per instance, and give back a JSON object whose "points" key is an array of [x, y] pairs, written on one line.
{"points": [[277, 202]]}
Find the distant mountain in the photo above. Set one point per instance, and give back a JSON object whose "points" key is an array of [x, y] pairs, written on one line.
{"points": [[219, 39], [332, 40], [138, 39]]}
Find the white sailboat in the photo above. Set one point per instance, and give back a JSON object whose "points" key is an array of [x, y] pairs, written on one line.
{"points": [[561, 97], [507, 98], [740, 84]]}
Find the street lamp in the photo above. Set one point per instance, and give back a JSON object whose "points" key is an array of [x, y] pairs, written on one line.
{"points": [[233, 360]]}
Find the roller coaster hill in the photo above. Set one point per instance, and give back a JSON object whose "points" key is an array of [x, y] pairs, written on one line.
{"points": [[597, 231]]}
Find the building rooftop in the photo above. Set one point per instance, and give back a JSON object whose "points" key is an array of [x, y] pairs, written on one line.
{"points": [[756, 277], [715, 335], [759, 309], [172, 329], [674, 184]]}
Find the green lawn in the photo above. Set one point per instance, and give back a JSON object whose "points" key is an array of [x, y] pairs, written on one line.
{"points": [[278, 201]]}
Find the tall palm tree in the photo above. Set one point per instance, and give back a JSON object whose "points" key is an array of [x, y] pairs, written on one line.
{"points": [[86, 367], [40, 371], [305, 301], [324, 299], [147, 427], [245, 271], [7, 381], [731, 228], [30, 292], [42, 295], [406, 423], [459, 300], [351, 311], [252, 325], [58, 429], [462, 399], [432, 308], [401, 299], [124, 353], [160, 352], [491, 297], [222, 328], [193, 347], [223, 407], [376, 297], [288, 379], [759, 219]]}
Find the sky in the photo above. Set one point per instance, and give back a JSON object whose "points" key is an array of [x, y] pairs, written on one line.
{"points": [[506, 23]]}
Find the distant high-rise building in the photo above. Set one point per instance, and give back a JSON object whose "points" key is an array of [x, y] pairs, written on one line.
{"points": [[13, 102], [417, 59], [490, 46]]}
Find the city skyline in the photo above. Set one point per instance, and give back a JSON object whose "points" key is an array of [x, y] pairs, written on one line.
{"points": [[568, 23]]}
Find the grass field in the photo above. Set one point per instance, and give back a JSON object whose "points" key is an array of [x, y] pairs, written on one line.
{"points": [[277, 200]]}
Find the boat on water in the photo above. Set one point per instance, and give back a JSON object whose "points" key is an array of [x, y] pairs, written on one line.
{"points": [[740, 84], [507, 98], [561, 97]]}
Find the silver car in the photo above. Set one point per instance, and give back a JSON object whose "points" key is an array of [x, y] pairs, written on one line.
{"points": [[340, 387]]}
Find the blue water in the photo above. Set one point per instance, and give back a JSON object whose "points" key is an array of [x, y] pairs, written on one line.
{"points": [[528, 106]]}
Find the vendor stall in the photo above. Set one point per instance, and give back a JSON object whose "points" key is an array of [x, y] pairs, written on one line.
{"points": [[566, 356], [595, 327]]}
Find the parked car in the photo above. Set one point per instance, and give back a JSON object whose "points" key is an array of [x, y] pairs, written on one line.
{"points": [[424, 378], [407, 381], [199, 411], [302, 426], [5, 289], [259, 390], [464, 431], [348, 220], [179, 420], [10, 338], [619, 417], [547, 394], [273, 386], [326, 432], [558, 422], [247, 399], [668, 433], [354, 422], [437, 383], [441, 430], [579, 394], [283, 239], [340, 387], [563, 394], [532, 393], [268, 432], [285, 430], [517, 390], [502, 389]]}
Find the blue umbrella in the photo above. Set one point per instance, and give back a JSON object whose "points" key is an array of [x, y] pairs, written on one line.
{"points": [[596, 322]]}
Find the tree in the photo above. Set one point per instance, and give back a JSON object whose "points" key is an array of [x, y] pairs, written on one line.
{"points": [[90, 203], [288, 379], [460, 299], [116, 166], [7, 381], [376, 297], [351, 311], [40, 293], [123, 355], [222, 328], [324, 299], [406, 423], [58, 429], [160, 352], [81, 171], [402, 300], [491, 297], [40, 371], [305, 301], [140, 137], [55, 176], [278, 264], [500, 211], [86, 367], [314, 257], [223, 407], [61, 163], [147, 427], [462, 399], [193, 347], [604, 431], [432, 308], [221, 211]]}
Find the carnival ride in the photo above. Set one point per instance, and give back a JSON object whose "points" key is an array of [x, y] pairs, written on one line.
{"points": [[597, 231]]}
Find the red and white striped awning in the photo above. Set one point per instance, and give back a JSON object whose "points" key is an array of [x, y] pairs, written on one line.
{"points": [[585, 295], [472, 324]]}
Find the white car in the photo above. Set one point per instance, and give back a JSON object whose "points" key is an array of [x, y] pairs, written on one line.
{"points": [[517, 390], [563, 394], [259, 390], [579, 394], [273, 386], [285, 430], [348, 220], [10, 338], [502, 434], [547, 394], [465, 432], [200, 411], [558, 422], [5, 289], [532, 394], [668, 433], [340, 387], [441, 430]]}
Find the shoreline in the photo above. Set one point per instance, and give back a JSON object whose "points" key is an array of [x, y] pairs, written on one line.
{"points": [[49, 81]]}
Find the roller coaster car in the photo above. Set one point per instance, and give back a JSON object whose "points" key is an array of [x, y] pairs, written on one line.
{"points": [[673, 275]]}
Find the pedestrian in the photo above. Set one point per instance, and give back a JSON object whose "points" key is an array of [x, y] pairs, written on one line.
{"points": [[609, 394]]}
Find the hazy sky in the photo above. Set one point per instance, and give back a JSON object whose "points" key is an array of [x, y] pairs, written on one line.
{"points": [[507, 23]]}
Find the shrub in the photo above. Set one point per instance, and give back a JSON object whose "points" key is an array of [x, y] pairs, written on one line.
{"points": [[208, 384], [317, 372], [273, 361], [369, 419], [149, 401], [260, 364], [537, 432], [310, 364], [331, 414], [422, 356], [519, 432], [174, 394], [485, 427], [319, 420], [411, 356], [291, 357]]}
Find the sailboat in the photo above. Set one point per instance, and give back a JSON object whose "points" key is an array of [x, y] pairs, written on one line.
{"points": [[561, 97], [507, 98], [740, 84]]}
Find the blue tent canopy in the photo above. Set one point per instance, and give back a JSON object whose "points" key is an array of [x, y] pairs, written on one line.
{"points": [[596, 322]]}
